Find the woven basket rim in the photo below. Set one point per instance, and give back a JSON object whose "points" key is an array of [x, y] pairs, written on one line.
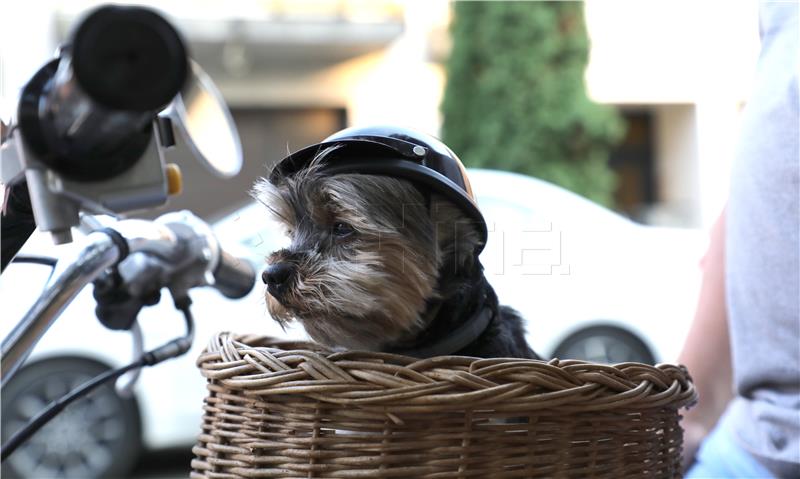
{"points": [[257, 366]]}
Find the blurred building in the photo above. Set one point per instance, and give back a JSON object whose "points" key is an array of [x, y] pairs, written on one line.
{"points": [[294, 71], [681, 72]]}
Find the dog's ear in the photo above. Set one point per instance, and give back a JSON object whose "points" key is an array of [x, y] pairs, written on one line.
{"points": [[274, 198], [457, 236]]}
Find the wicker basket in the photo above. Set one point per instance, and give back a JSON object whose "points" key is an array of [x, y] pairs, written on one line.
{"points": [[296, 410]]}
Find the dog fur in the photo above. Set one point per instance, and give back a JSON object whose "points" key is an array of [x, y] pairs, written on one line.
{"points": [[375, 264]]}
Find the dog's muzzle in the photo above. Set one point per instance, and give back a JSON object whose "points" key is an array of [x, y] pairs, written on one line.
{"points": [[277, 277]]}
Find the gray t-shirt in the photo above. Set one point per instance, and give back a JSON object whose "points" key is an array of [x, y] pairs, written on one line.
{"points": [[763, 254]]}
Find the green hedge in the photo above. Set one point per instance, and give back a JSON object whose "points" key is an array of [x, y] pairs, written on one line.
{"points": [[515, 96]]}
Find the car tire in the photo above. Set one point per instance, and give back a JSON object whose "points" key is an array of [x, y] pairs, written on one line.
{"points": [[604, 344], [97, 436]]}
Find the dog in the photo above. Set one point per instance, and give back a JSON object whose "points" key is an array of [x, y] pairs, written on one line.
{"points": [[375, 263]]}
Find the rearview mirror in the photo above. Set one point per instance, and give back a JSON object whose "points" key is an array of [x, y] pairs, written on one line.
{"points": [[206, 124]]}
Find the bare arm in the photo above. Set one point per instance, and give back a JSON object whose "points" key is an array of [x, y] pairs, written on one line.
{"points": [[706, 351]]}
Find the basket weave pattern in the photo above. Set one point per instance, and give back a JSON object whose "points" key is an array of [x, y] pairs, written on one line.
{"points": [[279, 409]]}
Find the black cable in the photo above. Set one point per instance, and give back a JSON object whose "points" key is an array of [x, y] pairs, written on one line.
{"points": [[36, 259], [43, 260], [172, 349]]}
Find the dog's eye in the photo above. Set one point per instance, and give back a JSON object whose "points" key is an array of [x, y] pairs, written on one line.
{"points": [[342, 229]]}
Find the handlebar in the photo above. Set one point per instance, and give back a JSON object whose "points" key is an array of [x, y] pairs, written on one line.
{"points": [[87, 115], [71, 274], [84, 141], [178, 251], [234, 277]]}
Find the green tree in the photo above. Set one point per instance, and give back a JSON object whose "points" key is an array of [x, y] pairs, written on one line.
{"points": [[515, 96]]}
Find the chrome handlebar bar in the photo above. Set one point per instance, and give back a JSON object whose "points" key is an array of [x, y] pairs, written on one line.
{"points": [[178, 251]]}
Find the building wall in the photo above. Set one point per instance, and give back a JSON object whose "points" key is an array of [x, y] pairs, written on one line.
{"points": [[692, 63]]}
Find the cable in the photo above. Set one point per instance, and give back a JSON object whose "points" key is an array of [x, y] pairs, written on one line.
{"points": [[125, 383], [43, 260], [36, 259], [172, 349]]}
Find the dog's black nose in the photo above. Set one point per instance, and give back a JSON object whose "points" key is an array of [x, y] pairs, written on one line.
{"points": [[277, 274]]}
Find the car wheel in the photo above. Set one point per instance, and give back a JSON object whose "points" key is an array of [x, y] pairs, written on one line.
{"points": [[604, 344], [97, 436]]}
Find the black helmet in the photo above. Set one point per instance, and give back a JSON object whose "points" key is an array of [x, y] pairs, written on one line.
{"points": [[393, 151]]}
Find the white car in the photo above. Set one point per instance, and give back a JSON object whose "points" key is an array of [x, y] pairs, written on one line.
{"points": [[590, 283]]}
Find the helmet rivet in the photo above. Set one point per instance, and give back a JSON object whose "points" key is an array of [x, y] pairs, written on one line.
{"points": [[419, 151]]}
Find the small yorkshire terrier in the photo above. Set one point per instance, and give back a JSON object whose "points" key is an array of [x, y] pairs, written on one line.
{"points": [[376, 264]]}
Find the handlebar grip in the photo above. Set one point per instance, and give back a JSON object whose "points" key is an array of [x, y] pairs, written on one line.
{"points": [[129, 58], [235, 277]]}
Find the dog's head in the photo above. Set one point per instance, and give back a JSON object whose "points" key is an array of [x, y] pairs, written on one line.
{"points": [[368, 254]]}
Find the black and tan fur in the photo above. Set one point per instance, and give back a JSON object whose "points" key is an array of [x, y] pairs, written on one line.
{"points": [[404, 273]]}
